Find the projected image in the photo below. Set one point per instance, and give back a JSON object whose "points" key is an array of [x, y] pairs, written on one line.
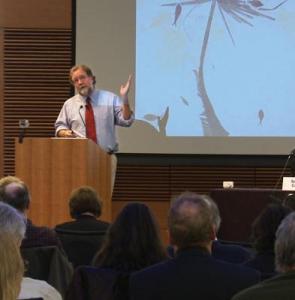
{"points": [[216, 67]]}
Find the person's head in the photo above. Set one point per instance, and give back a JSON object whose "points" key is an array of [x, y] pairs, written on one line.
{"points": [[285, 244], [12, 267], [265, 225], [82, 79], [192, 221], [84, 200], [14, 192], [289, 201], [12, 222], [132, 241]]}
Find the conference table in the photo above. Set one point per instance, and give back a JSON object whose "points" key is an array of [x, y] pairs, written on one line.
{"points": [[239, 207]]}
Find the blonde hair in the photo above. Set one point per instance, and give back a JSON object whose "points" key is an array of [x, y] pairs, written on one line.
{"points": [[12, 267], [10, 179]]}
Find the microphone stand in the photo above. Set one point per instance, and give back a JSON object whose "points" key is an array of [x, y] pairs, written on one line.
{"points": [[23, 125]]}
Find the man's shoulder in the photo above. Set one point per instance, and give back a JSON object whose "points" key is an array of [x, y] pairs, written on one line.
{"points": [[279, 287], [74, 99], [89, 224], [158, 270], [230, 253], [104, 95]]}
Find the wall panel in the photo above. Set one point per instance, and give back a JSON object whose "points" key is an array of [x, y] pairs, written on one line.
{"points": [[36, 64]]}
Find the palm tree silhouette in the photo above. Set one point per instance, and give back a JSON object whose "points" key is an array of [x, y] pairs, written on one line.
{"points": [[240, 10]]}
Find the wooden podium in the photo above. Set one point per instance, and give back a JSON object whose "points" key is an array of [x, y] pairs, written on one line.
{"points": [[53, 167]]}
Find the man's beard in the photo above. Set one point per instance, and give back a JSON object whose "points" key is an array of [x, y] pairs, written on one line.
{"points": [[85, 91]]}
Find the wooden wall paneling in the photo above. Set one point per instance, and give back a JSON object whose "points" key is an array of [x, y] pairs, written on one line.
{"points": [[270, 177], [36, 64], [142, 183], [203, 179], [1, 99], [36, 14]]}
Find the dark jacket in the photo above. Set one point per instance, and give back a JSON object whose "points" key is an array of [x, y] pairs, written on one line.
{"points": [[192, 274]]}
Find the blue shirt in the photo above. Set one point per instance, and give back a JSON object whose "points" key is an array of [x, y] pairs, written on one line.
{"points": [[107, 113]]}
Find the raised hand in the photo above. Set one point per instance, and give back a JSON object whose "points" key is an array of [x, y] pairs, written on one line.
{"points": [[124, 89]]}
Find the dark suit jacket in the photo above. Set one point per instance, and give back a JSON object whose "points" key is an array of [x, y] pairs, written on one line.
{"points": [[281, 287], [192, 275], [81, 239], [263, 262], [85, 223], [231, 253]]}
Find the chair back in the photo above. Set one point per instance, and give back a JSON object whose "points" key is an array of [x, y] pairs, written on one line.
{"points": [[48, 264], [91, 283]]}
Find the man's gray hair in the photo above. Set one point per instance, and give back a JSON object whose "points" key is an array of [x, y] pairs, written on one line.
{"points": [[12, 222], [285, 244], [215, 212], [191, 220]]}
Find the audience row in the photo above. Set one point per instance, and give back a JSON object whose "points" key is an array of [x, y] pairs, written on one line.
{"points": [[91, 259]]}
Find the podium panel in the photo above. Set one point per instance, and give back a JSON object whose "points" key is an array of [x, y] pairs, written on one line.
{"points": [[53, 167]]}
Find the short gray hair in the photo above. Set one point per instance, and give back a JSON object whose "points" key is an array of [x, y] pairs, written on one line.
{"points": [[285, 244], [12, 222], [191, 220]]}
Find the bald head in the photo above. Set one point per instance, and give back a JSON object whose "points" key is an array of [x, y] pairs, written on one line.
{"points": [[16, 194]]}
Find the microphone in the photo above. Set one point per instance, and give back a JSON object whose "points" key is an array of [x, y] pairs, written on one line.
{"points": [[23, 124], [291, 155], [81, 106]]}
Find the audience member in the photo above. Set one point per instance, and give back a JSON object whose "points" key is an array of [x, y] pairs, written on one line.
{"points": [[14, 192], [193, 273], [13, 224], [132, 243], [221, 249], [263, 235], [289, 201], [82, 237], [281, 287], [85, 208], [12, 267]]}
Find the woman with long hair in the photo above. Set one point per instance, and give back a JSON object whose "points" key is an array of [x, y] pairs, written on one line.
{"points": [[132, 243], [12, 267]]}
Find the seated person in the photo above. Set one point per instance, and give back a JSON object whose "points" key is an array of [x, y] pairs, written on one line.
{"points": [[282, 286], [12, 267], [82, 237], [13, 224], [220, 250], [132, 243], [289, 201], [193, 273], [263, 233], [14, 192], [85, 208]]}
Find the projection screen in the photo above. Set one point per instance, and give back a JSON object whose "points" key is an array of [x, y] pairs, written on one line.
{"points": [[210, 77]]}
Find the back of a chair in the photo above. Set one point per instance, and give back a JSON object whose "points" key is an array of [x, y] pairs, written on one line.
{"points": [[80, 246], [90, 283], [48, 264]]}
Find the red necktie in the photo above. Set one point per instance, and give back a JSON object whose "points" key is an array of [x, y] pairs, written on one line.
{"points": [[90, 122]]}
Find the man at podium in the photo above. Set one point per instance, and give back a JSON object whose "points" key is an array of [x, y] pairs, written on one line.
{"points": [[94, 113]]}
